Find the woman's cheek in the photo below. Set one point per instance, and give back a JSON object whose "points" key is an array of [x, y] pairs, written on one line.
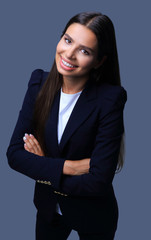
{"points": [[61, 48], [86, 63], [58, 48]]}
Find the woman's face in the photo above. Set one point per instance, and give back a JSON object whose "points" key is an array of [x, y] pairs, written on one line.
{"points": [[76, 52]]}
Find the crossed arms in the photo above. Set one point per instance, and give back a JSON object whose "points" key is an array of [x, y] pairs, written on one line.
{"points": [[70, 167]]}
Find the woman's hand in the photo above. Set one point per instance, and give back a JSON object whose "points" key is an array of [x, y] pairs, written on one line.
{"points": [[32, 145], [77, 167]]}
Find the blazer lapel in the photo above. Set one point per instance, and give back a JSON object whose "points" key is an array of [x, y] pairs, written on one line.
{"points": [[83, 108]]}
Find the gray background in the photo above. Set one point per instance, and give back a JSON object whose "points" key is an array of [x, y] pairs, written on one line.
{"points": [[29, 33]]}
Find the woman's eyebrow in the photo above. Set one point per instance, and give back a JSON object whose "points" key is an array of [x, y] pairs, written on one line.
{"points": [[90, 49]]}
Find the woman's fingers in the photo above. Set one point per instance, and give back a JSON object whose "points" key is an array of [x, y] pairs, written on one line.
{"points": [[32, 145], [28, 148], [35, 142], [37, 145], [29, 144]]}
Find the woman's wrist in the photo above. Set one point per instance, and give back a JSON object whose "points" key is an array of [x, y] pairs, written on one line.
{"points": [[81, 166], [68, 168], [76, 167]]}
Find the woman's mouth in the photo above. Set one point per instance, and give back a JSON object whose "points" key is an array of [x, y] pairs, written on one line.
{"points": [[67, 66]]}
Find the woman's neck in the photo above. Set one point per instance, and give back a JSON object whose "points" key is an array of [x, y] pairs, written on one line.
{"points": [[71, 87]]}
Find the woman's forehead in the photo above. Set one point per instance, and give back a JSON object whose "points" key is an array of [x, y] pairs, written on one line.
{"points": [[82, 35]]}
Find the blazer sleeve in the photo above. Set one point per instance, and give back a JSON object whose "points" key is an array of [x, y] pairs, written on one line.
{"points": [[29, 164], [105, 154]]}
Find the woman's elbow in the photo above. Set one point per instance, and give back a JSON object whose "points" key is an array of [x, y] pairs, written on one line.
{"points": [[11, 157]]}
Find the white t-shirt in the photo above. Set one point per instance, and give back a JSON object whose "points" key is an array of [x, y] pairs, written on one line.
{"points": [[67, 103]]}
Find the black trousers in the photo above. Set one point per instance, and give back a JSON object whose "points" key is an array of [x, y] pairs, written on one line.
{"points": [[59, 230]]}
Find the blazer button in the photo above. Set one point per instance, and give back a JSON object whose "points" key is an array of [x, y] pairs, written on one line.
{"points": [[44, 182], [62, 194]]}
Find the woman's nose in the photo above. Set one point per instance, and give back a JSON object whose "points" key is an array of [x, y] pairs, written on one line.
{"points": [[70, 53]]}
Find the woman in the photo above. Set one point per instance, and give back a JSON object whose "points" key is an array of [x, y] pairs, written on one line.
{"points": [[69, 132]]}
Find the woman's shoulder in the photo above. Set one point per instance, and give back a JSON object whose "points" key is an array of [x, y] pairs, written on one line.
{"points": [[36, 81], [38, 77], [110, 94]]}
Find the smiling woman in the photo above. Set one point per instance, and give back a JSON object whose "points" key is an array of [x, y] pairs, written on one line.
{"points": [[70, 143], [75, 56]]}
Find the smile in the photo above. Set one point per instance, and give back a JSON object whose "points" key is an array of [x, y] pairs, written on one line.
{"points": [[67, 64]]}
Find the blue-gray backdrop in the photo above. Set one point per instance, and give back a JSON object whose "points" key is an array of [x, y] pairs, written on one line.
{"points": [[29, 33]]}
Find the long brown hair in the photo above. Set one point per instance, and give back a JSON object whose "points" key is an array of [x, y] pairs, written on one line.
{"points": [[108, 72]]}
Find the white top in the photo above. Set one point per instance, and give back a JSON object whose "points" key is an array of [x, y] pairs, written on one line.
{"points": [[67, 103]]}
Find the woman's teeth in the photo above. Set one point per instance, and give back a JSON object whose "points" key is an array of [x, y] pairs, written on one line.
{"points": [[67, 64]]}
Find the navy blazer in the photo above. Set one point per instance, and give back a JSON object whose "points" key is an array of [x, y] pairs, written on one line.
{"points": [[94, 130]]}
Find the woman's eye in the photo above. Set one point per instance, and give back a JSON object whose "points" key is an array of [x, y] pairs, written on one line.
{"points": [[85, 52], [67, 40]]}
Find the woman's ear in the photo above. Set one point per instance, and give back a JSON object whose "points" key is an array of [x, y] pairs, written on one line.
{"points": [[101, 62]]}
